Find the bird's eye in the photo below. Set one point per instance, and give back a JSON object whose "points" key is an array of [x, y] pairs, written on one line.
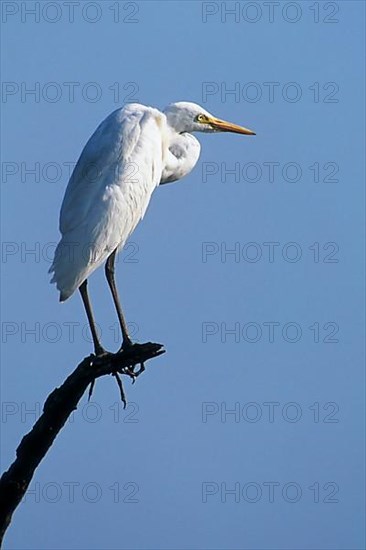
{"points": [[201, 118]]}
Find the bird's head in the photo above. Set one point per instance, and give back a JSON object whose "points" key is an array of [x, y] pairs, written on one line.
{"points": [[190, 117]]}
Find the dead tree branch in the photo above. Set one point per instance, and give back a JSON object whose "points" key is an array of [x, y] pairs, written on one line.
{"points": [[56, 410]]}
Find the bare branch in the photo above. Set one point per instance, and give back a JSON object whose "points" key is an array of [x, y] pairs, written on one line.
{"points": [[56, 410]]}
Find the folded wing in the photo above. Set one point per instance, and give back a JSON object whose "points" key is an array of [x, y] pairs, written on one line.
{"points": [[108, 192]]}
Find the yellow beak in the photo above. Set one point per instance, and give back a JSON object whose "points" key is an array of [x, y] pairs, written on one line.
{"points": [[223, 126]]}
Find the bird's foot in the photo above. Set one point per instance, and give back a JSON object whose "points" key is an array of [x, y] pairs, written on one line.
{"points": [[121, 389], [133, 356], [129, 371], [99, 351], [116, 374], [128, 345]]}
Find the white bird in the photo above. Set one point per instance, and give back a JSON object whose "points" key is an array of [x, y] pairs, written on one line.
{"points": [[132, 151]]}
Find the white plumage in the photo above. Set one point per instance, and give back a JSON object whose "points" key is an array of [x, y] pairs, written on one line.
{"points": [[133, 150], [108, 192]]}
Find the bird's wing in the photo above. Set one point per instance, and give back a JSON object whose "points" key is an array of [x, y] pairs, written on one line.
{"points": [[112, 155], [109, 191]]}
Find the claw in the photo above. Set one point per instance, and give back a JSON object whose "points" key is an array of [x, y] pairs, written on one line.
{"points": [[91, 388], [141, 369], [129, 371], [121, 390]]}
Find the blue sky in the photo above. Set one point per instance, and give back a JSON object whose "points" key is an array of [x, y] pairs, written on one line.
{"points": [[250, 271]]}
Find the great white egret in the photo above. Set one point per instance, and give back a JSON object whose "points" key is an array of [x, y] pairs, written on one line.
{"points": [[132, 151]]}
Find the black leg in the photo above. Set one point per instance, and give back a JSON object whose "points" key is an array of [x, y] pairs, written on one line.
{"points": [[98, 349], [109, 272]]}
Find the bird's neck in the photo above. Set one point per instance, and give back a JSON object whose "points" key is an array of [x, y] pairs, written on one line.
{"points": [[181, 155]]}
